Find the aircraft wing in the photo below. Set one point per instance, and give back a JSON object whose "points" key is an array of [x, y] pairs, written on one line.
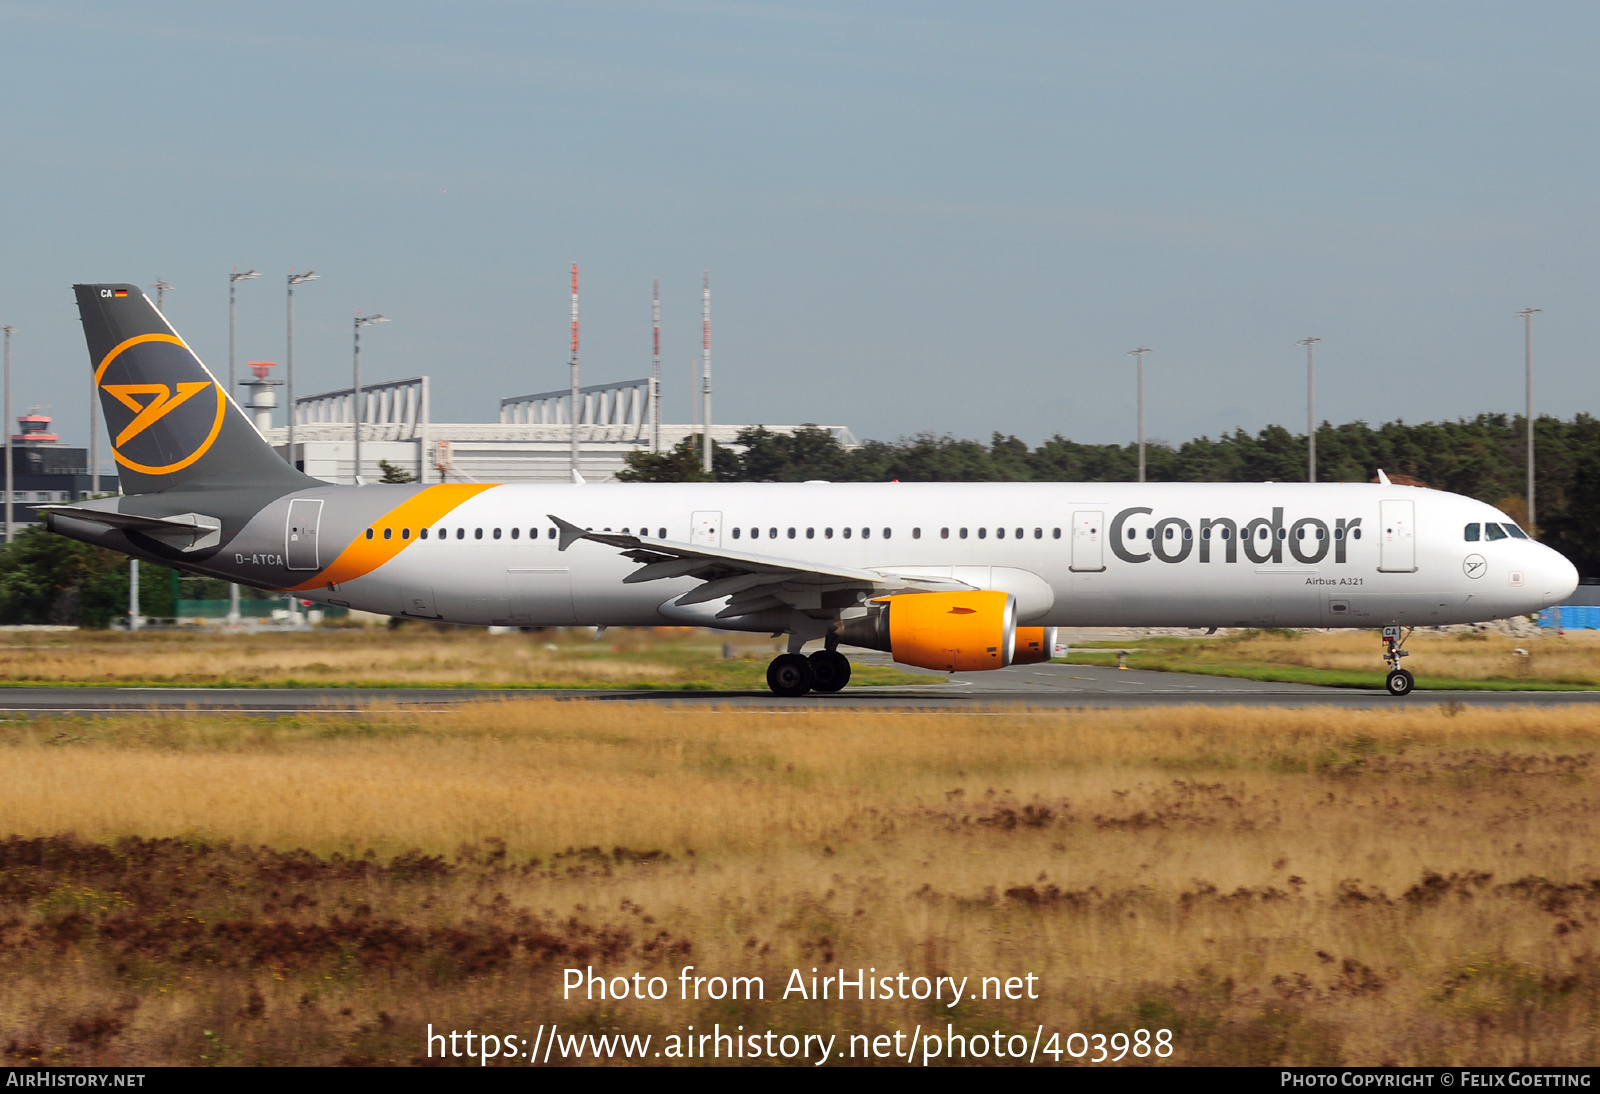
{"points": [[752, 582]]}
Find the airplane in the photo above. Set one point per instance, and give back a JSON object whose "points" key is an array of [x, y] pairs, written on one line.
{"points": [[957, 577]]}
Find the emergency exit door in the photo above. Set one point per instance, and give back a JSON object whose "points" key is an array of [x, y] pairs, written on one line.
{"points": [[1088, 542], [705, 529]]}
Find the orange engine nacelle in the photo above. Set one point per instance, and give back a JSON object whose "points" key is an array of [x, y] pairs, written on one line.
{"points": [[953, 632], [1034, 645]]}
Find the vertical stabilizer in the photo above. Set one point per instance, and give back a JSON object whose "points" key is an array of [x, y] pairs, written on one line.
{"points": [[171, 423]]}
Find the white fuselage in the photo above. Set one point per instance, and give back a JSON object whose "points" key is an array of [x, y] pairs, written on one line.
{"points": [[1074, 554]]}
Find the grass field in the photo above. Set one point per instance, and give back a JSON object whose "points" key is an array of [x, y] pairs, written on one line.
{"points": [[1473, 661], [413, 655], [1274, 886]]}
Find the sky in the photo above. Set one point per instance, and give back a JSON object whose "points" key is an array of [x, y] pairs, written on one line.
{"points": [[952, 218]]}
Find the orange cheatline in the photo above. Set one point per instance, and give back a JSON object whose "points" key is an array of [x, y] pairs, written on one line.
{"points": [[419, 511]]}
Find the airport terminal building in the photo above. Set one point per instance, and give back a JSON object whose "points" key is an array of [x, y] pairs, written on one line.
{"points": [[530, 442]]}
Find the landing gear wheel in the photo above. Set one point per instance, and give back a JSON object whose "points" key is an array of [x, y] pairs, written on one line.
{"points": [[1400, 682], [830, 670], [789, 675]]}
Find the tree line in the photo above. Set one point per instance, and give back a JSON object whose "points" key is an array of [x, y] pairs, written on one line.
{"points": [[1482, 457]]}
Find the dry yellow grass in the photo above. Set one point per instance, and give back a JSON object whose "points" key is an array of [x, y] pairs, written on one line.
{"points": [[417, 655], [1276, 886]]}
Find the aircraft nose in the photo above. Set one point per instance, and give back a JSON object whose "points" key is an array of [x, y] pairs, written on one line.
{"points": [[1560, 577]]}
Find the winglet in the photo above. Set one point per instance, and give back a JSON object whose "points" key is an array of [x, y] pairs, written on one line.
{"points": [[1384, 479], [570, 533], [577, 478]]}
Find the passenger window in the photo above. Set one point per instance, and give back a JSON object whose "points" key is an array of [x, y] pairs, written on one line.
{"points": [[983, 533], [1227, 533], [1205, 533], [1150, 533], [369, 533], [963, 533], [1167, 532], [550, 535], [772, 533], [461, 533], [1038, 533], [736, 533], [847, 533], [477, 533], [1493, 531], [944, 533], [1019, 533], [999, 533], [755, 533], [1055, 533], [791, 533], [422, 533], [388, 533], [516, 532], [661, 533], [811, 533], [866, 533], [886, 533], [405, 533], [827, 533], [1188, 533], [1516, 533], [1132, 534], [497, 533], [1355, 533], [916, 533]]}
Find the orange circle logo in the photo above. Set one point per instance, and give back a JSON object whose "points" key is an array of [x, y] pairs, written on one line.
{"points": [[158, 427]]}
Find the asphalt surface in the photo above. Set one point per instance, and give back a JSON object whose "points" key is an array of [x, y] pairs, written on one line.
{"points": [[1052, 685]]}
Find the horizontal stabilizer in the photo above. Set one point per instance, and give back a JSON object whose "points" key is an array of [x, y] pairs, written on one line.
{"points": [[186, 531]]}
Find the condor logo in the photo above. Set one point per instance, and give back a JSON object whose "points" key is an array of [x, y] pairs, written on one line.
{"points": [[159, 423]]}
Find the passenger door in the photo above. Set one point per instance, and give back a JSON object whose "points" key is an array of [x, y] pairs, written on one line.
{"points": [[1397, 549], [1088, 542], [705, 529], [300, 536]]}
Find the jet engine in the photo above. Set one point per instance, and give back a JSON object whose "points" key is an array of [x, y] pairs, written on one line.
{"points": [[952, 632], [1034, 645]]}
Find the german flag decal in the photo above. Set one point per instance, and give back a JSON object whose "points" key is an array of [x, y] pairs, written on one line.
{"points": [[120, 292]]}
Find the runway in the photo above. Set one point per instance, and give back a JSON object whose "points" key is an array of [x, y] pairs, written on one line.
{"points": [[1051, 685]]}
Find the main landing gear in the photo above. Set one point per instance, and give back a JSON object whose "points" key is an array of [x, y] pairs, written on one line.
{"points": [[793, 674], [1399, 681]]}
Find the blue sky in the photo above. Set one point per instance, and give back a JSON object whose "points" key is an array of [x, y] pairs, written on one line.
{"points": [[940, 217]]}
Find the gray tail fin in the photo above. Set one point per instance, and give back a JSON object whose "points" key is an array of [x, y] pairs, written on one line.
{"points": [[170, 421]]}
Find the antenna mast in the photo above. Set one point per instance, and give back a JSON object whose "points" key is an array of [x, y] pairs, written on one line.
{"points": [[575, 410], [655, 366], [706, 356]]}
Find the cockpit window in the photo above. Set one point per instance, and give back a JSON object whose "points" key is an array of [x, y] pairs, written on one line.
{"points": [[1514, 531], [1472, 533], [1493, 531]]}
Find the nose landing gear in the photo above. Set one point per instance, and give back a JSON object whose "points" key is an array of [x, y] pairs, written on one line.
{"points": [[1399, 681]]}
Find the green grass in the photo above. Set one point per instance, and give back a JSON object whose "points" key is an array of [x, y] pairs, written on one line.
{"points": [[1199, 658]]}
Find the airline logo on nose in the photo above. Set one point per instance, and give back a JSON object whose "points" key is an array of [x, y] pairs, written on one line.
{"points": [[159, 427]]}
